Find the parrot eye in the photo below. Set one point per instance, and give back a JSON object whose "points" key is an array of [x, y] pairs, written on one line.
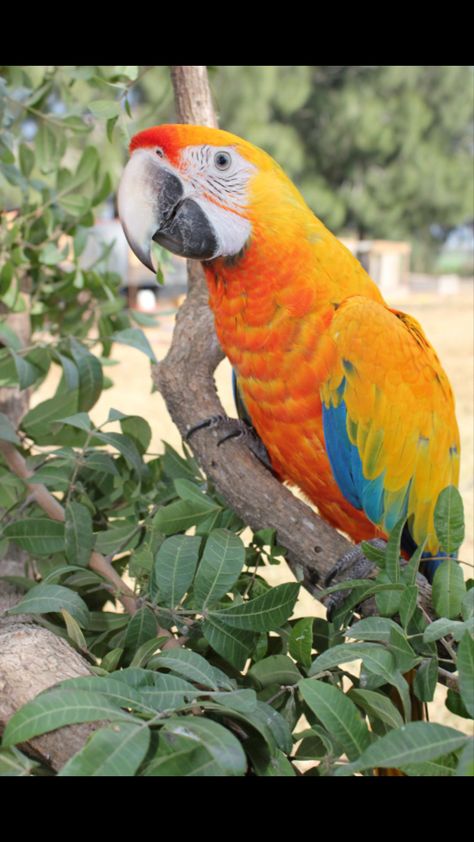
{"points": [[222, 160], [159, 152]]}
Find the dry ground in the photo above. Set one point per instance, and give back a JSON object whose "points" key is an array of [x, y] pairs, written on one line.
{"points": [[448, 323]]}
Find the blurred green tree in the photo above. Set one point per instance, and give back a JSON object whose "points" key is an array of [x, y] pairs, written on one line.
{"points": [[380, 151]]}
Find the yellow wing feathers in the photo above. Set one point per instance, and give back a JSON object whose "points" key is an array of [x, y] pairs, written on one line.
{"points": [[399, 415]]}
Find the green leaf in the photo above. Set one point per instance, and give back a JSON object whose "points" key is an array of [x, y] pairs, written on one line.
{"points": [[410, 571], [267, 721], [231, 644], [468, 603], [138, 429], [426, 678], [440, 628], [105, 109], [442, 767], [222, 560], [141, 628], [178, 757], [377, 705], [78, 534], [405, 657], [455, 704], [300, 642], [90, 376], [175, 466], [449, 589], [179, 516], [115, 751], [50, 255], [276, 669], [126, 446], [110, 125], [45, 147], [346, 652], [135, 338], [87, 165], [378, 660], [122, 536], [388, 601], [375, 554], [74, 205], [449, 519], [408, 603], [130, 71], [416, 742], [222, 752], [146, 650], [338, 714], [392, 552], [465, 664], [242, 701], [74, 630], [156, 692], [42, 599], [266, 763], [372, 628], [27, 159], [103, 192], [7, 430], [118, 692], [14, 764], [190, 665], [37, 535], [263, 613], [56, 708], [37, 422], [465, 768], [111, 660], [80, 420], [168, 692], [26, 371], [174, 568], [188, 490]]}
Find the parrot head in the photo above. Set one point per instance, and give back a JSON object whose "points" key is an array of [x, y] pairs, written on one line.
{"points": [[196, 191]]}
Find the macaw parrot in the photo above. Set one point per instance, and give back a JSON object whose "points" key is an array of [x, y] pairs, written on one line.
{"points": [[347, 394]]}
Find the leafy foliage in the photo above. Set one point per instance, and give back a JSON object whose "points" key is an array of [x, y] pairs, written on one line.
{"points": [[212, 675]]}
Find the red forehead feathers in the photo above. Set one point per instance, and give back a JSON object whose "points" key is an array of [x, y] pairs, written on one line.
{"points": [[173, 138], [161, 136]]}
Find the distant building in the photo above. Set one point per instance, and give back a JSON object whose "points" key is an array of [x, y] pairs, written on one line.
{"points": [[386, 261]]}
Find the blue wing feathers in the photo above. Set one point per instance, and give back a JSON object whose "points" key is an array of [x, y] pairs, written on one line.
{"points": [[382, 507]]}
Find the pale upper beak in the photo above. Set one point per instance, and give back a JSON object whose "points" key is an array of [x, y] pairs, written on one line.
{"points": [[153, 205]]}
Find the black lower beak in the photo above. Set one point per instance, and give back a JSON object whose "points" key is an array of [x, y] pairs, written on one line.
{"points": [[187, 231]]}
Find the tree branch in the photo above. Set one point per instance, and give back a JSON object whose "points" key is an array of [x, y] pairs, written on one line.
{"points": [[55, 511]]}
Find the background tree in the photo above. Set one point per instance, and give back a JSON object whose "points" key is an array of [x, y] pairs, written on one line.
{"points": [[379, 151]]}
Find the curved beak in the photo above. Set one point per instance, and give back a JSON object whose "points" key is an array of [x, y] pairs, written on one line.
{"points": [[153, 205]]}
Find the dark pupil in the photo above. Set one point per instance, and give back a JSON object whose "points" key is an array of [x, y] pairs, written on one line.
{"points": [[222, 160]]}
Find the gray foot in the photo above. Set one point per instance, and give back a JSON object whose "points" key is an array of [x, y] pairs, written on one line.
{"points": [[352, 565], [234, 428]]}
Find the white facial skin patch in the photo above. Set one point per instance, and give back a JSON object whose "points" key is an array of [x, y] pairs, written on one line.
{"points": [[216, 178]]}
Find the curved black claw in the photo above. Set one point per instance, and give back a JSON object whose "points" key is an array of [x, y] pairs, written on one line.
{"points": [[352, 565], [235, 428]]}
